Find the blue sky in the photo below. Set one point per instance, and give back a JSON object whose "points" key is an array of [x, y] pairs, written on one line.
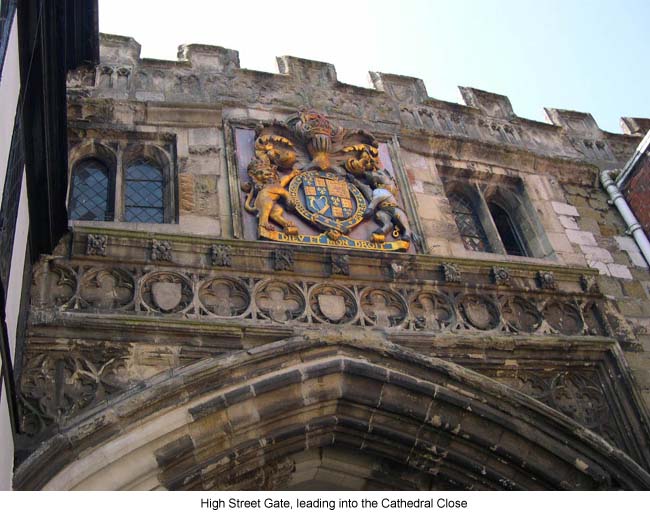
{"points": [[589, 56]]}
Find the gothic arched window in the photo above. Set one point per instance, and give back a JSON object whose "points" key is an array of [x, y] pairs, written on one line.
{"points": [[508, 231], [91, 193], [144, 188], [469, 224]]}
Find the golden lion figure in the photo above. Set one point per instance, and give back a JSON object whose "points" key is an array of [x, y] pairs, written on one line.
{"points": [[381, 192], [264, 194]]}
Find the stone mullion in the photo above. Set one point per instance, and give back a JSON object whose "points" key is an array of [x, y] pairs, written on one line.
{"points": [[118, 202], [79, 272], [254, 287], [195, 306], [489, 227], [306, 289], [137, 297]]}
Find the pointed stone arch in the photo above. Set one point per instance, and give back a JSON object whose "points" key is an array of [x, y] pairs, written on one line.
{"points": [[273, 416]]}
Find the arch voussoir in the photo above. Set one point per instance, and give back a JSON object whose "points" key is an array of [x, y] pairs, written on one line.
{"points": [[265, 418]]}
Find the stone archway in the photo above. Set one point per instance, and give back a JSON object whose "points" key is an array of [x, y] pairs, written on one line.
{"points": [[288, 415]]}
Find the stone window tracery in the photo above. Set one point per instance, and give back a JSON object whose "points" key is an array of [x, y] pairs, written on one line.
{"points": [[496, 216], [469, 225]]}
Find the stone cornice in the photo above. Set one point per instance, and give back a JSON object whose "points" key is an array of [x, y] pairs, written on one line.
{"points": [[255, 256]]}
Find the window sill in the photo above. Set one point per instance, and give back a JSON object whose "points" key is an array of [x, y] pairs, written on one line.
{"points": [[122, 225], [489, 256]]}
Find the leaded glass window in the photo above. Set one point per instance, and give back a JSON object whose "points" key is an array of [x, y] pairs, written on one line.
{"points": [[90, 195], [471, 230], [144, 193]]}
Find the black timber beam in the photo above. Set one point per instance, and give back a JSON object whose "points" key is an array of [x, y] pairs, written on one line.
{"points": [[54, 37]]}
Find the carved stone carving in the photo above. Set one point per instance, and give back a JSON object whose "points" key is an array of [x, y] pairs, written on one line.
{"points": [[432, 311], [340, 264], [221, 255], [104, 78], [53, 285], [381, 191], [531, 383], [166, 292], [450, 272], [264, 195], [96, 244], [429, 309], [580, 398], [332, 304], [399, 270], [107, 288], [588, 284], [56, 386], [383, 308], [521, 315], [563, 317], [224, 297], [480, 311], [280, 301], [283, 259], [619, 325], [83, 76], [331, 178], [579, 395], [161, 251], [546, 280], [500, 275], [594, 320]]}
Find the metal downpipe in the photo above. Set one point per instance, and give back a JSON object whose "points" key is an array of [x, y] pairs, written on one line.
{"points": [[633, 226]]}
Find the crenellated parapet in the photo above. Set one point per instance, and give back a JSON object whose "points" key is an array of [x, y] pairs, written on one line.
{"points": [[206, 74], [635, 125]]}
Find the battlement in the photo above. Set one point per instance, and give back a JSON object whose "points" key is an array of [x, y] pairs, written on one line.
{"points": [[124, 49], [392, 104]]}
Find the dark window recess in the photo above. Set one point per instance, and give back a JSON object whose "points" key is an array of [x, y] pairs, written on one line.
{"points": [[469, 225], [510, 238], [144, 193], [90, 197]]}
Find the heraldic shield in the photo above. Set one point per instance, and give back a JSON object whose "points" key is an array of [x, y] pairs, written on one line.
{"points": [[327, 200]]}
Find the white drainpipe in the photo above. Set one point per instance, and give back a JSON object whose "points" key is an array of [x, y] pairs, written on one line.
{"points": [[633, 226]]}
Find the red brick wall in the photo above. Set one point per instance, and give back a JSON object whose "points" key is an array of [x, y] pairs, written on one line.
{"points": [[637, 192]]}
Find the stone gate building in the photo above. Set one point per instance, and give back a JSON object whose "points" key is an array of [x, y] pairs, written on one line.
{"points": [[280, 281]]}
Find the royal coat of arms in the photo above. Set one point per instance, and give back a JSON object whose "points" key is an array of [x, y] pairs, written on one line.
{"points": [[315, 183]]}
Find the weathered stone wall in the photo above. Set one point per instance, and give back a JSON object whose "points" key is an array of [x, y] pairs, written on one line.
{"points": [[559, 323], [557, 162]]}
